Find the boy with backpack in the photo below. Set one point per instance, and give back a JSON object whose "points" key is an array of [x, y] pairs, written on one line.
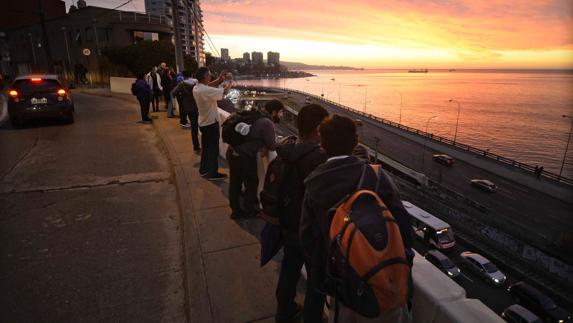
{"points": [[356, 232], [282, 198], [247, 132], [183, 91]]}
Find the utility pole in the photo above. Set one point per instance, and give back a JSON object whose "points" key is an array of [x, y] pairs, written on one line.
{"points": [[45, 40], [178, 49]]}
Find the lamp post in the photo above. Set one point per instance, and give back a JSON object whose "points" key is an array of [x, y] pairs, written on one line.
{"points": [[457, 120], [568, 140], [365, 94], [426, 141]]}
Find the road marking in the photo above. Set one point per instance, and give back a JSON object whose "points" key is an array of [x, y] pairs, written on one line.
{"points": [[466, 277]]}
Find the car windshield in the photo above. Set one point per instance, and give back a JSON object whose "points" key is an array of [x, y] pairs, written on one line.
{"points": [[547, 303], [489, 267], [447, 263], [445, 236], [29, 86]]}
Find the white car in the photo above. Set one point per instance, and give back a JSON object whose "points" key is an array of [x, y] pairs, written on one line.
{"points": [[307, 100], [484, 184], [483, 268]]}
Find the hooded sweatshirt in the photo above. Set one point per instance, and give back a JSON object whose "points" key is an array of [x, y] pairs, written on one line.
{"points": [[327, 185], [305, 156]]}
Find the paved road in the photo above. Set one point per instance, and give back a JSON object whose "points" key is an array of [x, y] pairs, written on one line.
{"points": [[539, 216], [89, 223]]}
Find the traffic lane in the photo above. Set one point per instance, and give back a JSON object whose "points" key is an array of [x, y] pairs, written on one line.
{"points": [[105, 141], [495, 297], [524, 206], [14, 145]]}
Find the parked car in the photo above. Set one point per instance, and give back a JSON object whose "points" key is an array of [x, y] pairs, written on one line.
{"points": [[519, 314], [484, 184], [539, 303], [34, 96], [483, 268], [307, 100], [443, 263], [443, 159]]}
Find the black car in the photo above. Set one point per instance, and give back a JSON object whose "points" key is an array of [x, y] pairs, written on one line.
{"points": [[539, 303], [38, 96], [443, 159], [519, 314], [443, 263]]}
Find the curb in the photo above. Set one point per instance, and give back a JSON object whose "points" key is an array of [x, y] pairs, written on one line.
{"points": [[197, 301]]}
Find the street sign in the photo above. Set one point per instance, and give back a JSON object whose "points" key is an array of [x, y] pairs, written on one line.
{"points": [[86, 52]]}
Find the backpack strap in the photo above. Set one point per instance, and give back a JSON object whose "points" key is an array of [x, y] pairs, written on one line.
{"points": [[377, 168]]}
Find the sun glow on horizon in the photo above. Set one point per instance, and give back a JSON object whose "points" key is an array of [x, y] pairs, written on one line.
{"points": [[395, 34]]}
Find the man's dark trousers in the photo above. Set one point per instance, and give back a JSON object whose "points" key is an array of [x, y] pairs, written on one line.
{"points": [[243, 170], [183, 112], [210, 154], [144, 107], [194, 117], [291, 265]]}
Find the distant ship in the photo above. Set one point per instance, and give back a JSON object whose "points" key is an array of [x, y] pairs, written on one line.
{"points": [[423, 70], [452, 70]]}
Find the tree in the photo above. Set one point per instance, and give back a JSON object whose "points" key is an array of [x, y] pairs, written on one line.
{"points": [[141, 57]]}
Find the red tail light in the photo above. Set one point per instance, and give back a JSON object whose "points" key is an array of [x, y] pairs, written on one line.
{"points": [[36, 79], [13, 93], [61, 92]]}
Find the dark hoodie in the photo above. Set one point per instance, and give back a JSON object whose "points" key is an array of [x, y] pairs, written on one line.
{"points": [[306, 156], [327, 185]]}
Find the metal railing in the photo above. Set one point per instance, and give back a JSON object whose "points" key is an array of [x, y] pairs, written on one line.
{"points": [[140, 17], [477, 151]]}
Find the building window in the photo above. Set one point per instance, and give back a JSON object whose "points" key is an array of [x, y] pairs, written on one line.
{"points": [[89, 34]]}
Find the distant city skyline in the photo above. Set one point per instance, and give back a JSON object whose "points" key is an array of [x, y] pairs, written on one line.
{"points": [[393, 33]]}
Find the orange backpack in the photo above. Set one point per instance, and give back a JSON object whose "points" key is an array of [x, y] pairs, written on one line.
{"points": [[367, 267]]}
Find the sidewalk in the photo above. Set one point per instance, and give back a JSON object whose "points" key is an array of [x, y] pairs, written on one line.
{"points": [[224, 280]]}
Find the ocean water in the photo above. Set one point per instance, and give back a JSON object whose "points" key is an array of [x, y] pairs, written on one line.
{"points": [[516, 114]]}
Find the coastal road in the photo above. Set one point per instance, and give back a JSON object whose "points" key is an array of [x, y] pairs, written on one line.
{"points": [[539, 216], [89, 222]]}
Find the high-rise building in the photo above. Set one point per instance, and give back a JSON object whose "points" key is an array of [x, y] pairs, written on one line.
{"points": [[257, 57], [225, 54], [273, 58], [246, 57], [190, 24]]}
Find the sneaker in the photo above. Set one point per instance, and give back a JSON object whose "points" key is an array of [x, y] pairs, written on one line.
{"points": [[185, 125], [197, 151], [203, 174], [217, 177], [147, 122]]}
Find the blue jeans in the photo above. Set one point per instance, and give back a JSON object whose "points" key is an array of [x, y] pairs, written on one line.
{"points": [[170, 107], [210, 154]]}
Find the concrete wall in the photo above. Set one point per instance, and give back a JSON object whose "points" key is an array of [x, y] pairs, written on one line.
{"points": [[120, 84], [436, 299]]}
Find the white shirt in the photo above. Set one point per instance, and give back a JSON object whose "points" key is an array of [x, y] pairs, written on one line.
{"points": [[206, 98], [337, 157]]}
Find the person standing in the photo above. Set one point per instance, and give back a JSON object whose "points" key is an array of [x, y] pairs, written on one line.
{"points": [[243, 160], [206, 95], [166, 78], [143, 94], [304, 156], [327, 185], [188, 107], [154, 81]]}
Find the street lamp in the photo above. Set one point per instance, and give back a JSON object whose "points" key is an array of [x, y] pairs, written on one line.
{"points": [[568, 140], [426, 141], [457, 120]]}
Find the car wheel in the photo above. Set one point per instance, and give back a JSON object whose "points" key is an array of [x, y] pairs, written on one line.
{"points": [[16, 122], [70, 117]]}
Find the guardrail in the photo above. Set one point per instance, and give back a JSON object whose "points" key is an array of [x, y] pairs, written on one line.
{"points": [[477, 151]]}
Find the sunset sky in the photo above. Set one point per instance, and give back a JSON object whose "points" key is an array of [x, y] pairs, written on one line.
{"points": [[396, 33]]}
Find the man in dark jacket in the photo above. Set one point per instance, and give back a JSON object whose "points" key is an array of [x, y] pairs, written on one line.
{"points": [[330, 182], [243, 161], [304, 155], [188, 107], [143, 94]]}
